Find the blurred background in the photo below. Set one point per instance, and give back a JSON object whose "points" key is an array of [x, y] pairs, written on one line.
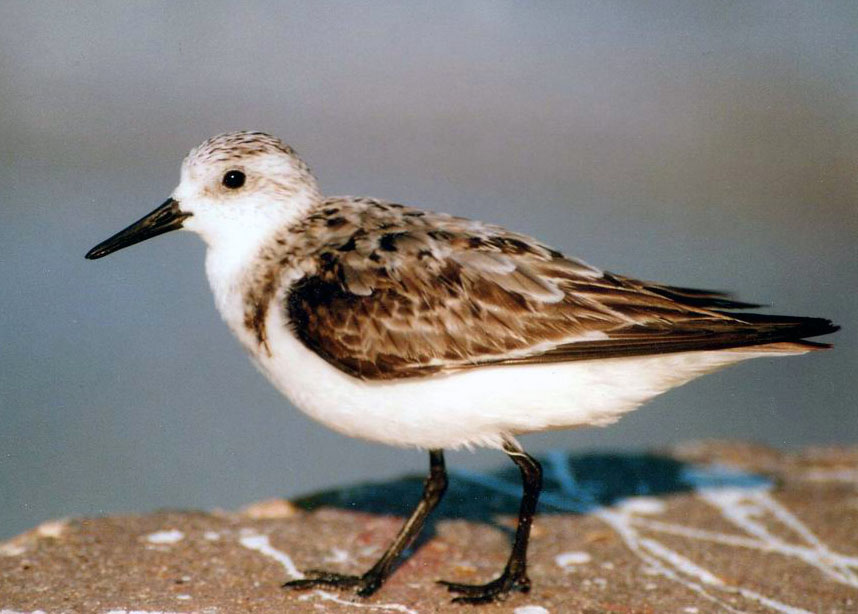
{"points": [[710, 144]]}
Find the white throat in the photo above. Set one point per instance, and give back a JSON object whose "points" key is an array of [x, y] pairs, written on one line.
{"points": [[235, 244]]}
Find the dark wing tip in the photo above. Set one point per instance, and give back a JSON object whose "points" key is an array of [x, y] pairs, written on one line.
{"points": [[795, 327]]}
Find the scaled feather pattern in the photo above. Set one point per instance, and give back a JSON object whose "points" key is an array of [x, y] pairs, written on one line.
{"points": [[389, 292]]}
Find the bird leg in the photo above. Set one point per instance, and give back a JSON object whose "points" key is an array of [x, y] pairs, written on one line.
{"points": [[514, 576], [366, 584]]}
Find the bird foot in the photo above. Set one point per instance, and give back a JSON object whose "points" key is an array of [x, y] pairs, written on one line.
{"points": [[364, 585], [496, 590]]}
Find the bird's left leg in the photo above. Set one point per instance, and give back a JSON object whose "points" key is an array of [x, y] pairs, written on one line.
{"points": [[514, 576], [368, 583]]}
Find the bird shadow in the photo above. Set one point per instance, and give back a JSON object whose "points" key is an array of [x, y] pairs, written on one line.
{"points": [[573, 483]]}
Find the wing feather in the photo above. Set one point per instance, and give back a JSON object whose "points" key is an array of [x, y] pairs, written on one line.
{"points": [[402, 293]]}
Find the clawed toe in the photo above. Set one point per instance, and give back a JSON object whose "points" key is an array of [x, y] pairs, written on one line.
{"points": [[496, 590], [364, 585], [468, 589]]}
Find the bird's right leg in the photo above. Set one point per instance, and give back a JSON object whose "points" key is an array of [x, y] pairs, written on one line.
{"points": [[514, 576], [366, 584]]}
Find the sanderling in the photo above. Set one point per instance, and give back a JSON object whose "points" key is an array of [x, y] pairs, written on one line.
{"points": [[414, 328]]}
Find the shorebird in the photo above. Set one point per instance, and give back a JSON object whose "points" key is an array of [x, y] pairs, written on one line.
{"points": [[413, 328]]}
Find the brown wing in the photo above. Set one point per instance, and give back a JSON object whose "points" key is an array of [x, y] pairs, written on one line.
{"points": [[416, 296]]}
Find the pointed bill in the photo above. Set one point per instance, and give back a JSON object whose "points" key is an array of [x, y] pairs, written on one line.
{"points": [[165, 218]]}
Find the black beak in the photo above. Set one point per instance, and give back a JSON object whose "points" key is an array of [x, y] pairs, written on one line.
{"points": [[165, 218]]}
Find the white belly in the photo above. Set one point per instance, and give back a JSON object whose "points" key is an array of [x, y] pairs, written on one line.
{"points": [[478, 406]]}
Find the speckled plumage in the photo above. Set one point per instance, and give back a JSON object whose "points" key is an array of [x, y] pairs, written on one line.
{"points": [[388, 291]]}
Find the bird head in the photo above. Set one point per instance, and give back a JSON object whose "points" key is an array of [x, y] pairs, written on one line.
{"points": [[236, 186]]}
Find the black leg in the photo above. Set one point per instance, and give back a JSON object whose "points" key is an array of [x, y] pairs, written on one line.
{"points": [[514, 576], [368, 583]]}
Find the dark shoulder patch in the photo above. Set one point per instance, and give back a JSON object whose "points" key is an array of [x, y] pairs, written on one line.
{"points": [[308, 303], [318, 310]]}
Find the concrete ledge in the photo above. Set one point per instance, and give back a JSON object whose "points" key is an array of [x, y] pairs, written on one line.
{"points": [[701, 528]]}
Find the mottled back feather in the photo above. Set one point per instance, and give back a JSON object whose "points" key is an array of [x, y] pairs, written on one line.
{"points": [[389, 291]]}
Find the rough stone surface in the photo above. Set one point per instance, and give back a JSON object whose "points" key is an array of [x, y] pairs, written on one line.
{"points": [[701, 528]]}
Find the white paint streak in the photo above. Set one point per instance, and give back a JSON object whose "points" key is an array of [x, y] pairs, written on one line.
{"points": [[679, 562], [338, 555], [52, 529], [570, 559], [654, 560], [165, 537], [11, 549], [642, 505], [746, 509], [742, 499], [530, 609], [739, 541], [389, 607], [573, 498], [770, 603], [261, 544]]}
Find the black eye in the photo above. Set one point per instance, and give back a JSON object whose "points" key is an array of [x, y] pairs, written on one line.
{"points": [[233, 179]]}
